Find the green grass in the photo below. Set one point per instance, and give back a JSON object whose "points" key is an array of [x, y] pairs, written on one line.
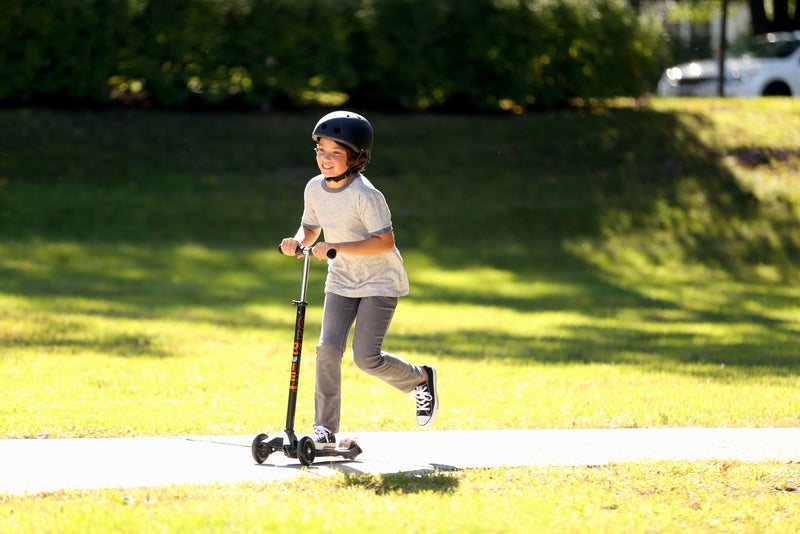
{"points": [[659, 497], [623, 267], [109, 340]]}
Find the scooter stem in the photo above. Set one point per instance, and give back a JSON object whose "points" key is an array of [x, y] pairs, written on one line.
{"points": [[297, 350], [304, 281], [299, 327]]}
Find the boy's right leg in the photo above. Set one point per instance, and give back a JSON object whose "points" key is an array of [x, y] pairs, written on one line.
{"points": [[338, 315]]}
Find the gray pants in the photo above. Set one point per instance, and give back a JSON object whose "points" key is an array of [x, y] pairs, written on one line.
{"points": [[373, 314]]}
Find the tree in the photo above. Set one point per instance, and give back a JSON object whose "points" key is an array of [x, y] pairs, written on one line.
{"points": [[784, 16]]}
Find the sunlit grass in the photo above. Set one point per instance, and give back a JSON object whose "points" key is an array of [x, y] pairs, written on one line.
{"points": [[739, 122], [629, 268], [102, 340], [659, 497]]}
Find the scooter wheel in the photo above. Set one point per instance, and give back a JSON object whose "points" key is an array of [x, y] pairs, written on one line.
{"points": [[306, 450], [259, 449]]}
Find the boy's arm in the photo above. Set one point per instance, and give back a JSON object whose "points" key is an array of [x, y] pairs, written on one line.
{"points": [[379, 244], [305, 236]]}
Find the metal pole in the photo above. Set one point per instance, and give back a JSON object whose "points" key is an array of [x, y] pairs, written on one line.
{"points": [[297, 351], [723, 39]]}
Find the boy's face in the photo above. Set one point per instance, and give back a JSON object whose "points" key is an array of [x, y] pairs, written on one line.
{"points": [[331, 158]]}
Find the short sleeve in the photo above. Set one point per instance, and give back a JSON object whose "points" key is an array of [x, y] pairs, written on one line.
{"points": [[375, 214], [310, 218]]}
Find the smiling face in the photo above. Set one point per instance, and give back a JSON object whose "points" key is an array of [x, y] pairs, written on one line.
{"points": [[332, 158]]}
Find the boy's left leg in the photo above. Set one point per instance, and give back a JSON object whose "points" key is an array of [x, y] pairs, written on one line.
{"points": [[372, 322]]}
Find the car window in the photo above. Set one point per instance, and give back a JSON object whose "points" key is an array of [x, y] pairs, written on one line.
{"points": [[765, 49], [786, 48]]}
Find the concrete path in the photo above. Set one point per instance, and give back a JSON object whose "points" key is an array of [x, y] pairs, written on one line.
{"points": [[44, 465]]}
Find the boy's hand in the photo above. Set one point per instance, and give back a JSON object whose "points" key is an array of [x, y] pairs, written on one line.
{"points": [[321, 249], [289, 246]]}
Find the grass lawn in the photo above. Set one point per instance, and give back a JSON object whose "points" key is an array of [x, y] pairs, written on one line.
{"points": [[661, 497], [625, 267]]}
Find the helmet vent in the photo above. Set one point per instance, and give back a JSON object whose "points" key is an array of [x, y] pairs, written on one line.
{"points": [[337, 130]]}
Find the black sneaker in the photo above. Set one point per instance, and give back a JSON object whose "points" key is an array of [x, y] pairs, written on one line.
{"points": [[323, 438], [427, 398]]}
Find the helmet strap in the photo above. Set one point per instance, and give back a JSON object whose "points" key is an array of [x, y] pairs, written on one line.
{"points": [[347, 174]]}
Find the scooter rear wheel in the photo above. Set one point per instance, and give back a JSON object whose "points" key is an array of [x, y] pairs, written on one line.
{"points": [[306, 450], [259, 449]]}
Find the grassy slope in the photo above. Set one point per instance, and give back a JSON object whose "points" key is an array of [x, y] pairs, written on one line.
{"points": [[493, 182], [568, 268], [621, 268]]}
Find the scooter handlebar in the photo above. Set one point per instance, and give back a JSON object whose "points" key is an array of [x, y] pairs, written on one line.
{"points": [[301, 250]]}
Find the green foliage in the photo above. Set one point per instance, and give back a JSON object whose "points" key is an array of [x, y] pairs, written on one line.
{"points": [[477, 55], [172, 49], [288, 47], [59, 51]]}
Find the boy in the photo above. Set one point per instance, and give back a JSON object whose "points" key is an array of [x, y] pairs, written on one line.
{"points": [[364, 281]]}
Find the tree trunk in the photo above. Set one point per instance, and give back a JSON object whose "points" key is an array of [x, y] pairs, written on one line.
{"points": [[758, 16], [782, 22], [723, 44], [796, 15]]}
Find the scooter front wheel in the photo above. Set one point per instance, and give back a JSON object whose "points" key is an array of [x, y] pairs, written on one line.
{"points": [[306, 450], [259, 449]]}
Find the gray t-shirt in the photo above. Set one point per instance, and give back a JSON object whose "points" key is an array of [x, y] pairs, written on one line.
{"points": [[355, 212]]}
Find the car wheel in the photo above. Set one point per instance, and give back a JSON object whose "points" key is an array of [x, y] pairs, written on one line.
{"points": [[777, 89]]}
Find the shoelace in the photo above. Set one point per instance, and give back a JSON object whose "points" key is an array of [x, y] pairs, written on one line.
{"points": [[423, 399], [321, 435]]}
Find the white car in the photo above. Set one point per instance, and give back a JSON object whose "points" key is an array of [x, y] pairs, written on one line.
{"points": [[768, 65]]}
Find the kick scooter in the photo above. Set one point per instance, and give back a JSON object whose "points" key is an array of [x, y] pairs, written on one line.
{"points": [[303, 448]]}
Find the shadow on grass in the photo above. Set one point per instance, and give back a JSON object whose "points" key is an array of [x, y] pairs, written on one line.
{"points": [[52, 336], [606, 319], [398, 483], [773, 351], [465, 182], [495, 192], [68, 288], [603, 322]]}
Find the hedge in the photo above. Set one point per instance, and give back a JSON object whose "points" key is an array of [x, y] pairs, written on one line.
{"points": [[406, 54], [59, 51]]}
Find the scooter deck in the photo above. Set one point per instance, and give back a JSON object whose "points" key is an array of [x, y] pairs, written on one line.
{"points": [[346, 448], [302, 449]]}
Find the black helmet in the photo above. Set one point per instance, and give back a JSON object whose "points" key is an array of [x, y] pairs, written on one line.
{"points": [[350, 129]]}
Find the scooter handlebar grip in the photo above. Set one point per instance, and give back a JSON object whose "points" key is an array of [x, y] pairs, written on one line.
{"points": [[299, 250]]}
